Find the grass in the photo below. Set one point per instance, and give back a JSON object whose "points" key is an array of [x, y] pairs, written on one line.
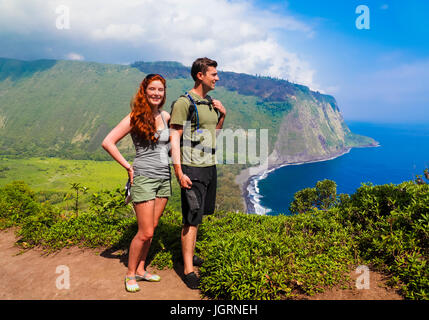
{"points": [[54, 174]]}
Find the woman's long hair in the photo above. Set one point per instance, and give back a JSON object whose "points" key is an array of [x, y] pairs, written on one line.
{"points": [[142, 119]]}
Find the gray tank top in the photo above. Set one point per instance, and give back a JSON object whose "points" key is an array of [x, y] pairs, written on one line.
{"points": [[152, 159]]}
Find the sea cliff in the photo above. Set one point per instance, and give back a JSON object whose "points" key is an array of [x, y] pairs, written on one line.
{"points": [[314, 130]]}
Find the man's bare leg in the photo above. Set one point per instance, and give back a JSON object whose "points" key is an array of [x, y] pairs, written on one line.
{"points": [[188, 237]]}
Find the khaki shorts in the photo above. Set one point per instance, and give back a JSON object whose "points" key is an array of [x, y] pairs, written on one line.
{"points": [[145, 189]]}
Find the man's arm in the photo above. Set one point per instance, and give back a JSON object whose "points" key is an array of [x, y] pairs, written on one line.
{"points": [[176, 132], [218, 105], [220, 123]]}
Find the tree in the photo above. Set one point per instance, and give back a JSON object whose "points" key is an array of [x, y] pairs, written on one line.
{"points": [[77, 187], [323, 196], [303, 201], [326, 191]]}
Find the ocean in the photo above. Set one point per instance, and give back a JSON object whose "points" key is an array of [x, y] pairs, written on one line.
{"points": [[403, 153]]}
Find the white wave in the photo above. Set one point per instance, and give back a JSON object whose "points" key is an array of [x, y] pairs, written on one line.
{"points": [[253, 188], [254, 195]]}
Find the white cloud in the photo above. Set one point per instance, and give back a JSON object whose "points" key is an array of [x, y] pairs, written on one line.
{"points": [[128, 32], [74, 56], [241, 37]]}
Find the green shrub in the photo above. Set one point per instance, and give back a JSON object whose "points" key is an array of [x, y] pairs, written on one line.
{"points": [[390, 223], [17, 201], [326, 191], [109, 201], [304, 200], [262, 257], [87, 229]]}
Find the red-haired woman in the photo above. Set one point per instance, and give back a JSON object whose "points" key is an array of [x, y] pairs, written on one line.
{"points": [[150, 172]]}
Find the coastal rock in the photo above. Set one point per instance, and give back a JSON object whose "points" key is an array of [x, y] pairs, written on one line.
{"points": [[313, 130]]}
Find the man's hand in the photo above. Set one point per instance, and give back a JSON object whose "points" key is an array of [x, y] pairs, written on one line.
{"points": [[176, 132], [185, 182], [218, 105]]}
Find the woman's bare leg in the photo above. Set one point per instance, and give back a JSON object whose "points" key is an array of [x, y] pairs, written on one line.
{"points": [[159, 207], [145, 221]]}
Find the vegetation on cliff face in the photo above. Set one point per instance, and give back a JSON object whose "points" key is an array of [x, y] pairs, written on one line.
{"points": [[65, 108], [314, 130], [267, 88]]}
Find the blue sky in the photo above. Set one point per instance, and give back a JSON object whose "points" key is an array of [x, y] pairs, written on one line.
{"points": [[377, 75]]}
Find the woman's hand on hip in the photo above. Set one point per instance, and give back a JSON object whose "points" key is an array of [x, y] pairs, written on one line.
{"points": [[130, 171]]}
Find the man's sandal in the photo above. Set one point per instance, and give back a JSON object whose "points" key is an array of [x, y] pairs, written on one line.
{"points": [[148, 277], [131, 287]]}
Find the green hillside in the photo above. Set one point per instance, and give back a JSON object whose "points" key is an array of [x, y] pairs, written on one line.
{"points": [[65, 108]]}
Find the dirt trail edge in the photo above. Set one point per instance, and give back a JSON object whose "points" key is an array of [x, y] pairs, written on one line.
{"points": [[31, 275]]}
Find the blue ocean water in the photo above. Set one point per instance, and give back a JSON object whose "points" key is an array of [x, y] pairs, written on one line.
{"points": [[403, 153]]}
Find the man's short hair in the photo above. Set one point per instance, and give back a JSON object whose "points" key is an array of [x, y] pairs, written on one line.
{"points": [[201, 65]]}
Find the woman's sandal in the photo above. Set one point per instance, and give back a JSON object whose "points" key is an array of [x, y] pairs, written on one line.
{"points": [[148, 277], [131, 287]]}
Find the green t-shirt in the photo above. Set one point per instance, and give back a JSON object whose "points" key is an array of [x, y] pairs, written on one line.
{"points": [[191, 154]]}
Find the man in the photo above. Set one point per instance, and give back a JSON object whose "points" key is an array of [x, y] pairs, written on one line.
{"points": [[195, 160]]}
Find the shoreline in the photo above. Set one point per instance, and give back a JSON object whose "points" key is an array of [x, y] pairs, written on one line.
{"points": [[249, 181]]}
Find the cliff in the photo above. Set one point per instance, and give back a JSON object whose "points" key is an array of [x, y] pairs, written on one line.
{"points": [[313, 130]]}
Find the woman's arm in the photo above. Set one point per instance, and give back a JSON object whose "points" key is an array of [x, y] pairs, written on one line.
{"points": [[114, 136], [166, 116]]}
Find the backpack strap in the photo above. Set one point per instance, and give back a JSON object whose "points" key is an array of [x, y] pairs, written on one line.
{"points": [[210, 104], [193, 109]]}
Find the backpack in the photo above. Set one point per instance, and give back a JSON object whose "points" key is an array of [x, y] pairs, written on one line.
{"points": [[193, 114], [193, 110]]}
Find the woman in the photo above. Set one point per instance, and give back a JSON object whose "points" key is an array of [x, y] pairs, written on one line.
{"points": [[150, 173]]}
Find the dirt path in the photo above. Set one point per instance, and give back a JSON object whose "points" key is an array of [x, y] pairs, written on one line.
{"points": [[378, 290], [31, 275]]}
